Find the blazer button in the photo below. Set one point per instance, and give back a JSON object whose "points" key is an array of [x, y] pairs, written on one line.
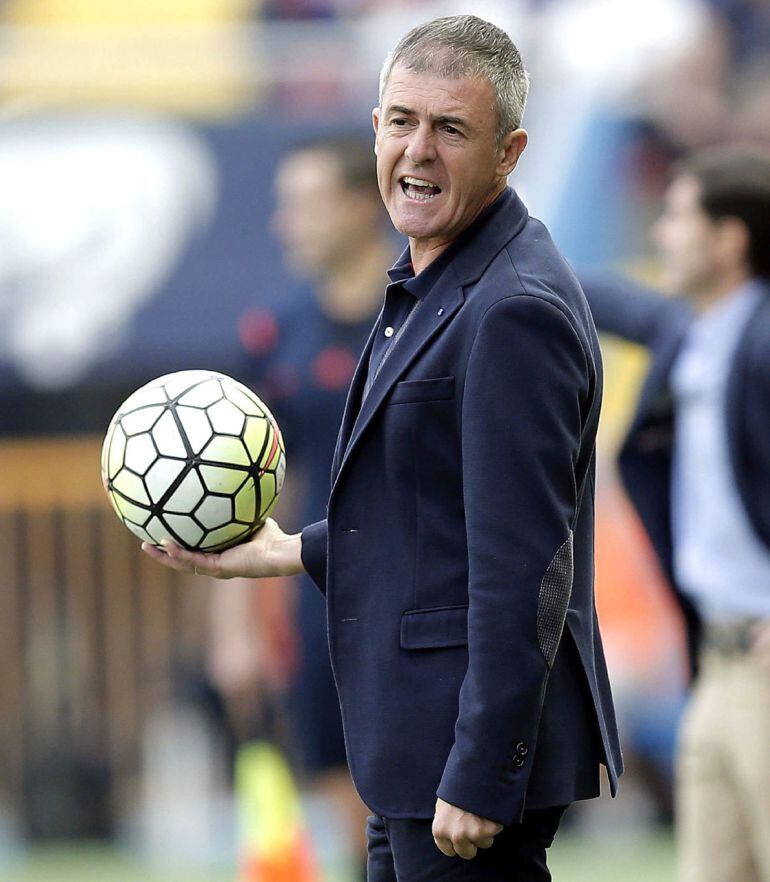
{"points": [[518, 762], [522, 749]]}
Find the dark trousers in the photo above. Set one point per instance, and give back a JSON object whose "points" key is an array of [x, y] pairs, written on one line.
{"points": [[403, 850]]}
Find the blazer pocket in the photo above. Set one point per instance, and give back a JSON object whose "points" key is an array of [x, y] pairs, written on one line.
{"points": [[434, 628], [437, 389]]}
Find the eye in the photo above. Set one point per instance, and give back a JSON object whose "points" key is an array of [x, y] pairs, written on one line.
{"points": [[450, 130], [398, 121]]}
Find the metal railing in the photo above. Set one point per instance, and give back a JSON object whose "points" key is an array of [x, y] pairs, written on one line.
{"points": [[91, 635]]}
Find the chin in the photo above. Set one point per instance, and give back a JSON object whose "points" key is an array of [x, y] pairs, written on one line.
{"points": [[412, 230], [421, 228], [415, 221]]}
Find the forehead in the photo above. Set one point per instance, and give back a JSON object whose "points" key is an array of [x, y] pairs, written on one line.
{"points": [[430, 94]]}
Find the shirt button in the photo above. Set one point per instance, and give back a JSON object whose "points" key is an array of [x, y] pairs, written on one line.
{"points": [[389, 331]]}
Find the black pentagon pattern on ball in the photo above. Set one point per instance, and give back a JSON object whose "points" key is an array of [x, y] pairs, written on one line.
{"points": [[209, 525]]}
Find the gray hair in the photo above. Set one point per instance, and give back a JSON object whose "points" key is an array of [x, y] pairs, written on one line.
{"points": [[464, 46]]}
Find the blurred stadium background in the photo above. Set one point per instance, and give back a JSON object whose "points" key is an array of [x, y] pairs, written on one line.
{"points": [[138, 140]]}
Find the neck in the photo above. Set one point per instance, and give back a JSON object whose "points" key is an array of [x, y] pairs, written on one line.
{"points": [[424, 253], [351, 291], [721, 289]]}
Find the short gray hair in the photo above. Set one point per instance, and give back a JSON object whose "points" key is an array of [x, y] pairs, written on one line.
{"points": [[464, 46]]}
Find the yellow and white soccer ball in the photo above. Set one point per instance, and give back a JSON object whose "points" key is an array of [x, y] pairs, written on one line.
{"points": [[195, 457]]}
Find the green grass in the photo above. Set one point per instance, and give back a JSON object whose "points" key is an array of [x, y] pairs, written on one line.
{"points": [[94, 863], [647, 858], [574, 858]]}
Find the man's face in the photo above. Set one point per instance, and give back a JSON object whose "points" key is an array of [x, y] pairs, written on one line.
{"points": [[316, 216], [438, 161], [687, 239]]}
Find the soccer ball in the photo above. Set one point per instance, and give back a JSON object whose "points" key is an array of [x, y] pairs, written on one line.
{"points": [[194, 457]]}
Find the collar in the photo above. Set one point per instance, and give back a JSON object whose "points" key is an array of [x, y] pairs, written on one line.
{"points": [[727, 312], [402, 272]]}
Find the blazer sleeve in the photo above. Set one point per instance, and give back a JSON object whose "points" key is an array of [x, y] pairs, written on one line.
{"points": [[629, 310], [526, 389], [314, 553]]}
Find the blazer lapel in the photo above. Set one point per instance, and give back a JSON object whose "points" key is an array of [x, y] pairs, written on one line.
{"points": [[430, 316], [353, 401], [735, 408]]}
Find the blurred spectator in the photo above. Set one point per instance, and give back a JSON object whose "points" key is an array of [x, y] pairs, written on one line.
{"points": [[329, 219], [697, 468]]}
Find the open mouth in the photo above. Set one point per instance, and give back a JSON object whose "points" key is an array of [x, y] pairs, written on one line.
{"points": [[418, 189]]}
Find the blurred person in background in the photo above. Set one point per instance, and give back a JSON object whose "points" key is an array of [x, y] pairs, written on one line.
{"points": [[696, 464], [329, 219]]}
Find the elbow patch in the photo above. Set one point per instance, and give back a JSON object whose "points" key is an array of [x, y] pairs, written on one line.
{"points": [[553, 600]]}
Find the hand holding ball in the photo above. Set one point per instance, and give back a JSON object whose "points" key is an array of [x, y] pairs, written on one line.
{"points": [[194, 457]]}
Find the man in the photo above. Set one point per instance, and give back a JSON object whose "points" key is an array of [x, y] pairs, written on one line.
{"points": [[457, 552], [330, 222], [696, 464]]}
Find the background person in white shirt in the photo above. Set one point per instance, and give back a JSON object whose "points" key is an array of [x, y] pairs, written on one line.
{"points": [[696, 464]]}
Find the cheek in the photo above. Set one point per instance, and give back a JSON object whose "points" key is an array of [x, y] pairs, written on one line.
{"points": [[681, 243], [384, 170], [468, 182], [698, 246], [388, 151]]}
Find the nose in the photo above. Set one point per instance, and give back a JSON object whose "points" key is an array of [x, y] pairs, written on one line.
{"points": [[420, 148]]}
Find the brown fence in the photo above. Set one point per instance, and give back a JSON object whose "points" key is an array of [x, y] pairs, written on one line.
{"points": [[90, 633]]}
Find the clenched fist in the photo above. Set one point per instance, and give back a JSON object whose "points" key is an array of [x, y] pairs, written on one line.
{"points": [[461, 833]]}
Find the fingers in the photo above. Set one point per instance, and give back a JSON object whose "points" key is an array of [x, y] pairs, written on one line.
{"points": [[254, 559], [462, 848], [464, 841], [176, 558], [465, 850], [444, 845]]}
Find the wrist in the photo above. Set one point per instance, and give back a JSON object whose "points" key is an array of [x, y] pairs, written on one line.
{"points": [[286, 555]]}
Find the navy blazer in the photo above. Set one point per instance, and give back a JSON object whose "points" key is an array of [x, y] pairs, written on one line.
{"points": [[660, 323], [459, 540]]}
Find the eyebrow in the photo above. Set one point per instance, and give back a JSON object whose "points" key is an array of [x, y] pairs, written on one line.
{"points": [[441, 120], [453, 121]]}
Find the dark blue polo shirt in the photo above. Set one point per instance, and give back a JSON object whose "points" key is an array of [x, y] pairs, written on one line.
{"points": [[402, 296], [407, 290]]}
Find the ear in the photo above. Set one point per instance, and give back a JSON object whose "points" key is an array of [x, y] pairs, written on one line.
{"points": [[376, 125], [511, 148]]}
